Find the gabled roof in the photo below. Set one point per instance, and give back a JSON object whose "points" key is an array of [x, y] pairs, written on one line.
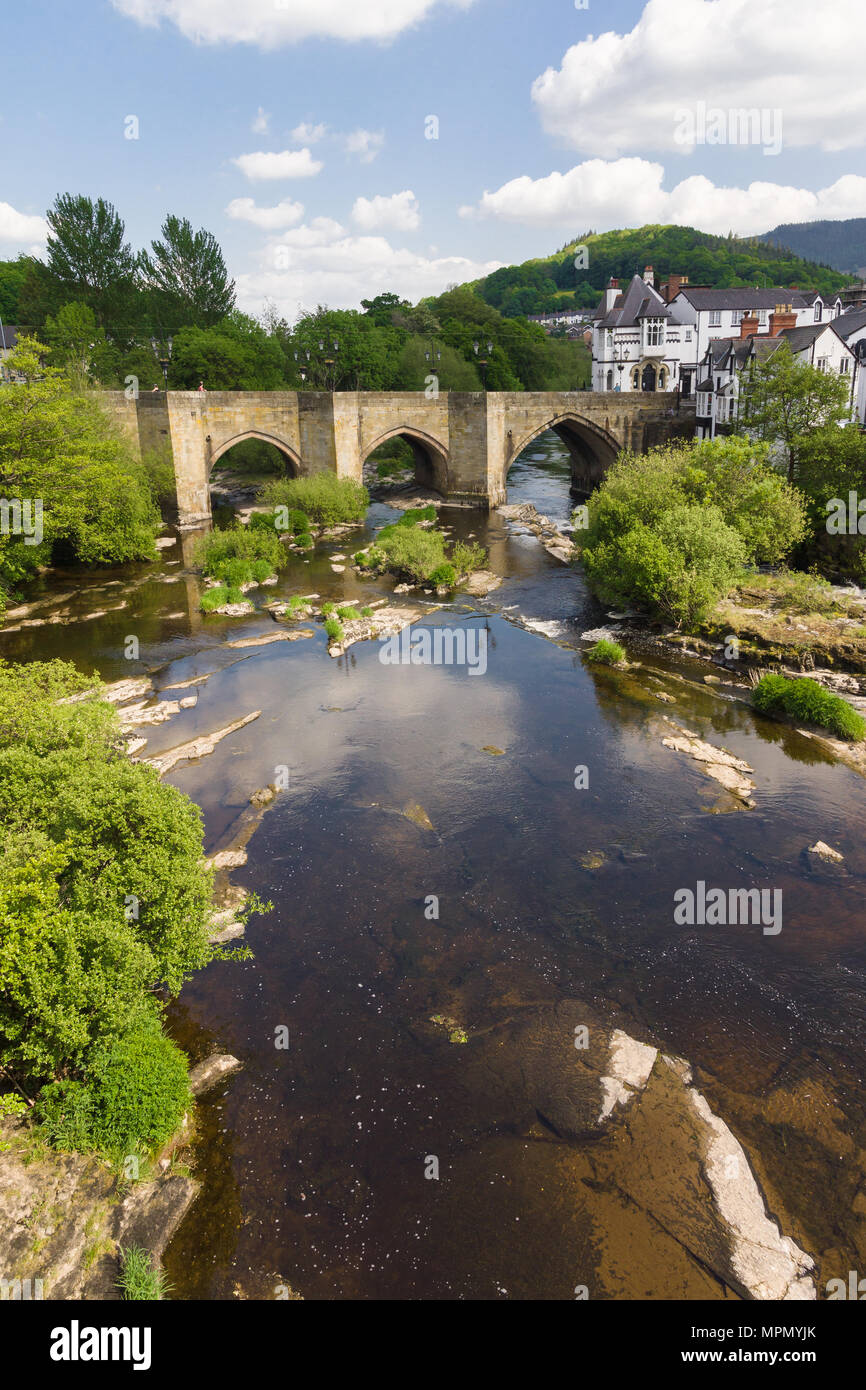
{"points": [[639, 301], [798, 339]]}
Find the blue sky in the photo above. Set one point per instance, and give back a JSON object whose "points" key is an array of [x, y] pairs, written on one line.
{"points": [[552, 119]]}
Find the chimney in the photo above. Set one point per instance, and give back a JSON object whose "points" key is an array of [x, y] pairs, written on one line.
{"points": [[782, 317], [672, 288], [649, 276], [749, 324], [611, 294]]}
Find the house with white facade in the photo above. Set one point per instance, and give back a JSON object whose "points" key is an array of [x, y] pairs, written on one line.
{"points": [[657, 340], [819, 345], [852, 327]]}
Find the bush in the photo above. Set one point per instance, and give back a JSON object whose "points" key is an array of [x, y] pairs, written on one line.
{"points": [[416, 514], [807, 702], [606, 653], [230, 555], [134, 1095], [444, 576], [348, 614], [325, 498], [217, 597], [334, 629], [467, 557], [412, 552]]}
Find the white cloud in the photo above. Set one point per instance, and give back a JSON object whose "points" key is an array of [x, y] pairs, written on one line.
{"points": [[620, 92], [20, 228], [306, 134], [285, 214], [366, 144], [273, 23], [288, 164], [399, 211], [629, 193], [321, 263], [261, 123]]}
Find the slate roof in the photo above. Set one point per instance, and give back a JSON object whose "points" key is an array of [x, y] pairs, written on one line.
{"points": [[746, 298], [847, 324], [639, 301], [8, 336]]}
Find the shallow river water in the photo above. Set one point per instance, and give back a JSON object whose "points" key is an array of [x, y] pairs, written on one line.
{"points": [[313, 1157]]}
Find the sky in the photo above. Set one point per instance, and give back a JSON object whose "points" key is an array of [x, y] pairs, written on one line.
{"points": [[342, 148]]}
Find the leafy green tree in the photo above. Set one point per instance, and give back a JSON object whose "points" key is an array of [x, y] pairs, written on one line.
{"points": [[73, 337], [89, 259], [59, 451], [187, 277], [783, 401], [12, 277], [236, 355]]}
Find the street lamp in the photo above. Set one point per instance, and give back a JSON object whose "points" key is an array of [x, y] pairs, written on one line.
{"points": [[482, 361], [302, 369], [162, 353]]}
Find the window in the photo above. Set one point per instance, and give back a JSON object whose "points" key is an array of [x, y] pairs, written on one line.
{"points": [[635, 379], [822, 364], [655, 332], [688, 335], [819, 311], [762, 317], [843, 366], [715, 318], [737, 316]]}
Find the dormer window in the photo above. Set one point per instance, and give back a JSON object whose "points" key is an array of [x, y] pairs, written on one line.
{"points": [[655, 332], [819, 311]]}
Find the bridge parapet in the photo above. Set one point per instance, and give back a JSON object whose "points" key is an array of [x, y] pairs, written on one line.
{"points": [[464, 442]]}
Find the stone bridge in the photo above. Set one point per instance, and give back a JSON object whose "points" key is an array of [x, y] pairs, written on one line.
{"points": [[464, 443]]}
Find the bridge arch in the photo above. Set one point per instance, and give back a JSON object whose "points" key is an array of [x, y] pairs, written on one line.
{"points": [[429, 454], [592, 448], [216, 451]]}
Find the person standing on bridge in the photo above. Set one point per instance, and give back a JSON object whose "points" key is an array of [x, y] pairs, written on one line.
{"points": [[201, 386]]}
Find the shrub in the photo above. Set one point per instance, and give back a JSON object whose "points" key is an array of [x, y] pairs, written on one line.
{"points": [[444, 576], [467, 557], [606, 653], [412, 552], [304, 541], [334, 629], [808, 702], [134, 1095], [328, 608], [416, 514], [230, 555], [323, 497], [366, 612], [348, 614]]}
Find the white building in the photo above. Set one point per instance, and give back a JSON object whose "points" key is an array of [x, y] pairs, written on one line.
{"points": [[819, 344], [657, 340]]}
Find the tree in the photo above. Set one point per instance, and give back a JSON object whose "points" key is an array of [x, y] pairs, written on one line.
{"points": [[782, 401], [73, 337], [88, 258], [187, 276], [62, 456], [236, 355]]}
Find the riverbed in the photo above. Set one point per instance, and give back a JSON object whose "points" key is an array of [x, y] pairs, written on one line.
{"points": [[517, 891]]}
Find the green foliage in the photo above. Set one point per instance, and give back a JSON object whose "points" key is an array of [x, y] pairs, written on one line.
{"points": [[103, 893], [416, 514], [235, 355], [328, 608], [348, 614], [334, 629], [606, 653], [240, 555], [58, 447], [187, 277], [444, 576], [134, 1097], [323, 497], [783, 400], [671, 529], [807, 702], [468, 556], [89, 259], [158, 466], [412, 552], [140, 1280]]}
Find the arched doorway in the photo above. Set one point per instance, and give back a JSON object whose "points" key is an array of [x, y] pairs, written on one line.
{"points": [[648, 378]]}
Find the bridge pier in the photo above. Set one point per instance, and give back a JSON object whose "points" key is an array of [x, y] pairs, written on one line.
{"points": [[464, 442]]}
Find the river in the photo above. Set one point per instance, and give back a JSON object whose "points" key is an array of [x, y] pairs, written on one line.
{"points": [[313, 1157]]}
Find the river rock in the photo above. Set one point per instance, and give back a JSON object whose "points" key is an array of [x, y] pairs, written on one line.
{"points": [[205, 1075], [198, 747], [822, 851], [717, 763]]}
